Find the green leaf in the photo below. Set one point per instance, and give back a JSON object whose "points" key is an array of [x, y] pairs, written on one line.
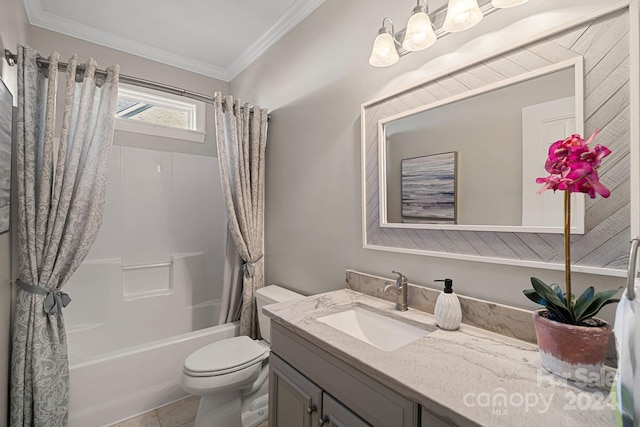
{"points": [[558, 290], [535, 297], [599, 300], [555, 303], [564, 315], [583, 302], [546, 292]]}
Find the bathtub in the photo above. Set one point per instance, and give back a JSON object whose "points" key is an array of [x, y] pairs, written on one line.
{"points": [[122, 384]]}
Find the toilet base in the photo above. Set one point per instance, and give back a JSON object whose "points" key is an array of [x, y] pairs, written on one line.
{"points": [[219, 410], [256, 413], [222, 409]]}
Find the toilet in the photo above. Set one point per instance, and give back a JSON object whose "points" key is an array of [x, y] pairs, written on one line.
{"points": [[231, 375]]}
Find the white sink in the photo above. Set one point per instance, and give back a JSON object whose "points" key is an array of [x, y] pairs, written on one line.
{"points": [[384, 332]]}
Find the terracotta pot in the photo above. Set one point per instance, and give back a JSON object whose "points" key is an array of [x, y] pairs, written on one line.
{"points": [[572, 352]]}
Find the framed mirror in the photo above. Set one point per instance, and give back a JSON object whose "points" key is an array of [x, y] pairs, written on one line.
{"points": [[504, 127], [495, 214]]}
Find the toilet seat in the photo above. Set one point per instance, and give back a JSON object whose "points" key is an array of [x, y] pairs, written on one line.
{"points": [[224, 357]]}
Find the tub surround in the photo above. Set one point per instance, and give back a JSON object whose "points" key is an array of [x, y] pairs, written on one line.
{"points": [[469, 376], [508, 321]]}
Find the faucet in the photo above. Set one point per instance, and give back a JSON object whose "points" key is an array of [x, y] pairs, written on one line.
{"points": [[399, 288]]}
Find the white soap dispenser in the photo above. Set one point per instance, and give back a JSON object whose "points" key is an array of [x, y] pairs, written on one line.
{"points": [[448, 313]]}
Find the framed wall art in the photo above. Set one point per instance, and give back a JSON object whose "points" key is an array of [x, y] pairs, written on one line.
{"points": [[429, 188]]}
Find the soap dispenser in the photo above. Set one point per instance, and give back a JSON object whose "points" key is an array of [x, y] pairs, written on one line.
{"points": [[448, 313]]}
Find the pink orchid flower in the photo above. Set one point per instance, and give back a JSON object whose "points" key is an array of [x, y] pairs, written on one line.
{"points": [[572, 166]]}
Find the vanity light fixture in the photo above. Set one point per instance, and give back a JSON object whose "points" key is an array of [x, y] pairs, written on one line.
{"points": [[462, 15], [501, 4], [384, 51], [419, 34]]}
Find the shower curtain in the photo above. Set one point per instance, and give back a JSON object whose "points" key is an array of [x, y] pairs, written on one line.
{"points": [[61, 194], [242, 137]]}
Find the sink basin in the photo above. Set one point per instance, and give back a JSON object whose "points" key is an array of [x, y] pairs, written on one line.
{"points": [[383, 332]]}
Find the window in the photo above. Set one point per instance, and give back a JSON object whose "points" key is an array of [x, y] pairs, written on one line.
{"points": [[152, 112]]}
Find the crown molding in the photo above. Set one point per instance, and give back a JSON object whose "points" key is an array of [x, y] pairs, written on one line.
{"points": [[48, 21], [293, 16]]}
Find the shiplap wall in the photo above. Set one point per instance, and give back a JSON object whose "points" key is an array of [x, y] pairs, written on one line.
{"points": [[603, 43]]}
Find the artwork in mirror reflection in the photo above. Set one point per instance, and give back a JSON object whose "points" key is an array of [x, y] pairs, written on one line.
{"points": [[496, 166], [429, 189]]}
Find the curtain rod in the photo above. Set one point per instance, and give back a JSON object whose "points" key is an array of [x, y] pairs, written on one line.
{"points": [[136, 81]]}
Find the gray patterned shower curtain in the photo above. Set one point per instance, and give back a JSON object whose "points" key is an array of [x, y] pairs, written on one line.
{"points": [[242, 139], [60, 203]]}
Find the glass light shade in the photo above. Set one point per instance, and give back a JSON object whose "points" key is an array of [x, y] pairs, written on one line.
{"points": [[501, 4], [461, 15], [384, 51], [419, 34]]}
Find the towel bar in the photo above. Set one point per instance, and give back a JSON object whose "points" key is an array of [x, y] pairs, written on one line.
{"points": [[631, 273]]}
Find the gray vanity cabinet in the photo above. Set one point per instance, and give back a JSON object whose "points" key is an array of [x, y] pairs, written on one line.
{"points": [[293, 399], [309, 386], [296, 401], [336, 415]]}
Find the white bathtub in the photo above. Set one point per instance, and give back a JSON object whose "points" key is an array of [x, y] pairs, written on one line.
{"points": [[119, 385]]}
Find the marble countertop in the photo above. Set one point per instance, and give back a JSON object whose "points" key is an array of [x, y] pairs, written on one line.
{"points": [[470, 376]]}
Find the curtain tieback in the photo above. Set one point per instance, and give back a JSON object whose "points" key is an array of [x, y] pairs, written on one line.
{"points": [[249, 268], [54, 301]]}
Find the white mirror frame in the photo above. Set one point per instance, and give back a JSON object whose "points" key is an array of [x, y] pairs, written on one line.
{"points": [[578, 207], [609, 226]]}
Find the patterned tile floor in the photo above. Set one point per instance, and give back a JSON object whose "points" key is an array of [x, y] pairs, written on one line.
{"points": [[178, 414]]}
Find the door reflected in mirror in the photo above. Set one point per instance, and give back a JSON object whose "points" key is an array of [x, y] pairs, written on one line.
{"points": [[500, 137]]}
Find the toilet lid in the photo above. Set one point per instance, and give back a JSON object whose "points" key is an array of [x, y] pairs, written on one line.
{"points": [[225, 356]]}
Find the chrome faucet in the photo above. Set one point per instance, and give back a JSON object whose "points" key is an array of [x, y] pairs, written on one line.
{"points": [[399, 288]]}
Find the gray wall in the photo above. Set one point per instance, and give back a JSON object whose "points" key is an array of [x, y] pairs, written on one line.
{"points": [[13, 30], [314, 82]]}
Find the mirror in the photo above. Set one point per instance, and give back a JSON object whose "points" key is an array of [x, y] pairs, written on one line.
{"points": [[600, 59], [471, 161]]}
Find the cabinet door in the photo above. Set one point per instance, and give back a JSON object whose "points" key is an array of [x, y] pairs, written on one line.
{"points": [[432, 420], [294, 401], [336, 415]]}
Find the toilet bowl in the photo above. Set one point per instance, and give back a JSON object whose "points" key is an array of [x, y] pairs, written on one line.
{"points": [[231, 375]]}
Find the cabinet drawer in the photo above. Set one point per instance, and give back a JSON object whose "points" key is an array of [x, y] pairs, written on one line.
{"points": [[369, 399]]}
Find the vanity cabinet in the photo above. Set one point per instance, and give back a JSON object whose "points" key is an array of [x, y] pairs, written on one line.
{"points": [[293, 399], [429, 419], [310, 387], [336, 415], [296, 401]]}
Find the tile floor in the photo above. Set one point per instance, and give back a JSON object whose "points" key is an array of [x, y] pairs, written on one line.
{"points": [[178, 414]]}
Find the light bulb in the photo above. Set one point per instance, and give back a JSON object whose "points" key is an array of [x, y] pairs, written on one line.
{"points": [[419, 34], [384, 52], [501, 4], [462, 15]]}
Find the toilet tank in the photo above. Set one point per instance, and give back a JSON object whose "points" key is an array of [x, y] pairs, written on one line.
{"points": [[270, 295]]}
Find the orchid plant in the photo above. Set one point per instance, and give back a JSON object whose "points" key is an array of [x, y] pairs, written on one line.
{"points": [[572, 165]]}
